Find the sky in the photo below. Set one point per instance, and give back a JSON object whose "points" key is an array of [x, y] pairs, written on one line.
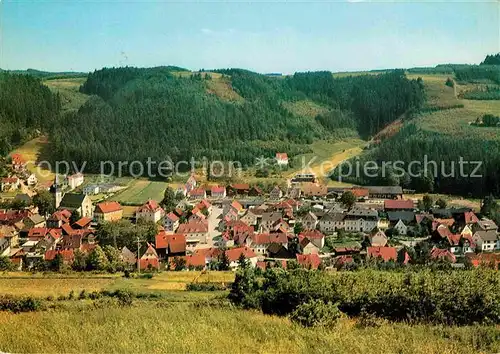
{"points": [[263, 36]]}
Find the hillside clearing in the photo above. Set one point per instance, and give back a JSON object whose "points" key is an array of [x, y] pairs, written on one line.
{"points": [[30, 152], [69, 91], [305, 108], [140, 191]]}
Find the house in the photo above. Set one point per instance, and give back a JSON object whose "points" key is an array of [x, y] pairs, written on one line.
{"points": [[149, 260], [484, 225], [191, 182], [282, 159], [314, 236], [195, 231], [170, 222], [68, 256], [307, 247], [196, 261], [78, 239], [237, 207], [314, 190], [9, 184], [294, 193], [309, 261], [268, 220], [276, 193], [75, 180], [259, 243], [181, 190], [37, 233], [405, 216], [361, 220], [128, 257], [486, 240], [401, 228], [331, 222], [11, 217], [383, 253], [399, 205], [34, 221], [10, 234], [218, 192], [108, 212], [197, 193], [59, 218], [385, 192], [150, 211], [309, 221], [234, 254], [251, 217], [91, 189], [32, 180], [377, 238], [360, 193], [170, 245], [80, 203], [82, 223], [18, 162], [442, 254], [204, 205]]}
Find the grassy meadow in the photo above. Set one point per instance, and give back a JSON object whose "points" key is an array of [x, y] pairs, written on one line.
{"points": [[180, 328], [30, 152], [140, 191], [69, 91]]}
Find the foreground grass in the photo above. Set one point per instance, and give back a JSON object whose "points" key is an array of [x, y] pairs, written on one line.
{"points": [[181, 328]]}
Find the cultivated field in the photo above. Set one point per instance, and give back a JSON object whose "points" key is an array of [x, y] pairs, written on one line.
{"points": [[140, 191]]}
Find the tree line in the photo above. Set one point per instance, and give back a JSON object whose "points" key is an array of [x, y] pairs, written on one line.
{"points": [[139, 113]]}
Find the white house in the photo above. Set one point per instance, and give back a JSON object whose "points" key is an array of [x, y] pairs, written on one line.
{"points": [[32, 180], [361, 220], [282, 158], [486, 240], [75, 180], [171, 222], [400, 227], [150, 211], [91, 189]]}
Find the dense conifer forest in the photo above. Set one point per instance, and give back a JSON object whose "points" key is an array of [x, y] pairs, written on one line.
{"points": [[139, 113], [26, 105]]}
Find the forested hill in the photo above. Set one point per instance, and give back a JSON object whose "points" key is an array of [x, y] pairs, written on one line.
{"points": [[233, 114], [26, 105]]}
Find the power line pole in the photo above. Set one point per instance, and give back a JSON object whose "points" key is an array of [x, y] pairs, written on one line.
{"points": [[138, 259]]}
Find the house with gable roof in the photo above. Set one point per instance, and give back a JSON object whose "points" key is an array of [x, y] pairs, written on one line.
{"points": [[170, 222], [80, 203], [108, 212], [150, 211], [149, 260]]}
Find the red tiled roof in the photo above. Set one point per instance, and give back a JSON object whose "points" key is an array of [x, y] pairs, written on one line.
{"points": [[108, 207], [470, 217], [360, 192], [204, 204], [55, 233], [193, 226], [149, 263], [83, 222], [37, 233], [236, 205], [283, 156], [67, 229], [218, 189], [386, 253], [235, 253], [172, 216], [68, 255], [150, 205], [454, 240], [208, 252], [197, 192], [195, 260], [309, 260], [262, 239], [398, 204], [9, 180], [437, 253], [311, 234], [175, 242]]}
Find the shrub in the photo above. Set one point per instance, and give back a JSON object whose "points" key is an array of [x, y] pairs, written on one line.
{"points": [[316, 313], [146, 276], [19, 305]]}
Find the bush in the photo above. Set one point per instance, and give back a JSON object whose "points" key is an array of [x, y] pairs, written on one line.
{"points": [[146, 276], [316, 313], [19, 305]]}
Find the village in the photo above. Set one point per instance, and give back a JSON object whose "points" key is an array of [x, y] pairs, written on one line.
{"points": [[216, 227]]}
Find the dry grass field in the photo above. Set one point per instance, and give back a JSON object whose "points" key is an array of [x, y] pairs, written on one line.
{"points": [[68, 89], [183, 328]]}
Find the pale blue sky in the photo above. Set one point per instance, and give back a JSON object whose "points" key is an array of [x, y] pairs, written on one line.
{"points": [[262, 36]]}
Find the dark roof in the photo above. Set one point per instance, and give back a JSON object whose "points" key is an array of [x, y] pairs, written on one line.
{"points": [[487, 235], [385, 190], [406, 216], [72, 200], [23, 198]]}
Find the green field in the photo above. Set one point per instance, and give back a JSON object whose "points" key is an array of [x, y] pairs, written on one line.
{"points": [[140, 191], [305, 108]]}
